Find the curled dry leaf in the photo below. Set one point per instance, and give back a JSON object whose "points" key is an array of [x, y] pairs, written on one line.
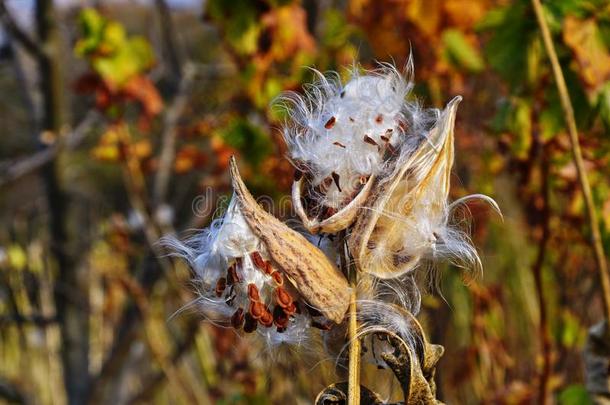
{"points": [[313, 275], [397, 226]]}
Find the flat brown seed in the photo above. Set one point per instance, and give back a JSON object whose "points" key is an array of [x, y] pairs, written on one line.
{"points": [[336, 179], [337, 143], [370, 140], [257, 309], [385, 138], [330, 123], [253, 292], [397, 260], [258, 260]]}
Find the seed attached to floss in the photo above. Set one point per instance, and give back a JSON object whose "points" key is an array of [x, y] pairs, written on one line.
{"points": [[253, 292], [370, 140], [266, 319], [258, 261], [268, 268], [257, 309], [232, 275], [282, 297], [330, 123], [277, 277], [336, 178], [221, 284], [337, 143], [237, 320]]}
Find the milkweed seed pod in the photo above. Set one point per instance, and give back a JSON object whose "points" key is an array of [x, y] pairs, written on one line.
{"points": [[408, 216], [256, 274], [343, 137]]}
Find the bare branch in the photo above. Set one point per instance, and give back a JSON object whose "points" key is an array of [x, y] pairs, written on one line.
{"points": [[168, 147], [19, 35], [13, 170]]}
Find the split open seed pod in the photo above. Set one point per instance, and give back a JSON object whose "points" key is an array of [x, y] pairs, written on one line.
{"points": [[316, 279], [337, 221], [407, 210]]}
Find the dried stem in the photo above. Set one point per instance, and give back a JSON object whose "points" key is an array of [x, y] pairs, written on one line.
{"points": [[353, 379], [577, 156]]}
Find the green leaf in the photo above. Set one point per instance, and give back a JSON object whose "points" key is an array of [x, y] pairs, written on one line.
{"points": [[249, 139], [575, 394], [461, 52]]}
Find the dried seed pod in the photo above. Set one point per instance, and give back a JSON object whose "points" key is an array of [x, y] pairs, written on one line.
{"points": [[314, 277], [397, 247], [338, 221]]}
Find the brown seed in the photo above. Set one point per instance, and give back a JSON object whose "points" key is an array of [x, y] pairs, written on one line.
{"points": [[351, 119], [291, 309], [379, 119], [371, 244], [384, 138], [282, 297], [337, 143], [280, 318], [253, 292], [397, 260], [232, 275], [257, 309], [330, 123], [266, 319], [221, 284], [249, 323], [237, 320], [268, 268], [258, 260], [336, 178], [277, 277], [370, 140]]}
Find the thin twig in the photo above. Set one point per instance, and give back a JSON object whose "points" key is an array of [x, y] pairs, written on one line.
{"points": [[14, 170], [577, 156], [168, 147]]}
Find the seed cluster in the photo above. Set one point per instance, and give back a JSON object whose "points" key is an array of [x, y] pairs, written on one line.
{"points": [[256, 311]]}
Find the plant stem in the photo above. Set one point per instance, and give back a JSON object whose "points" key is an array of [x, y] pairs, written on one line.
{"points": [[353, 380], [577, 157]]}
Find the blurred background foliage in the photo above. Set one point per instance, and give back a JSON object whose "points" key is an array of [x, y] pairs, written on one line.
{"points": [[118, 118]]}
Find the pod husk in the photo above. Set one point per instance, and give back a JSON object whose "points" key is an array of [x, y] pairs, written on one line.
{"points": [[423, 178], [318, 281]]}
